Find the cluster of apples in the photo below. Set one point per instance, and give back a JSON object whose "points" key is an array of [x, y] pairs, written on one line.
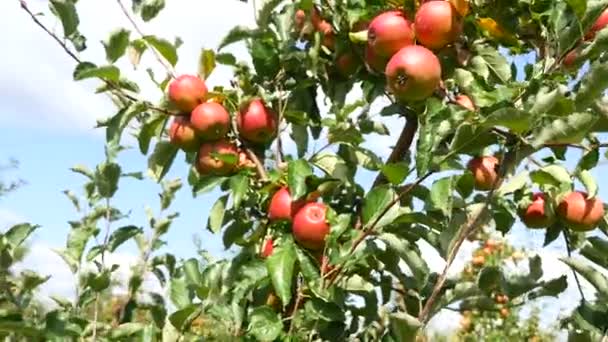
{"points": [[205, 124], [403, 48], [575, 209], [600, 24], [307, 217]]}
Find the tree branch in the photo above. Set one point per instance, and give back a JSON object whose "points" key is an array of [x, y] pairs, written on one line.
{"points": [[160, 59], [115, 88], [569, 250], [258, 164], [402, 147]]}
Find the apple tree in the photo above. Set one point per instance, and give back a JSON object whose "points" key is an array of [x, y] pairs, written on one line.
{"points": [[502, 106]]}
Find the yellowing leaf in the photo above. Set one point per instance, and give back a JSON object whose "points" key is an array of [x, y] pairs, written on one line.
{"points": [[461, 6], [494, 30]]}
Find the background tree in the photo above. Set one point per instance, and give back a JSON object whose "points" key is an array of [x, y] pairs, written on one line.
{"points": [[324, 252]]}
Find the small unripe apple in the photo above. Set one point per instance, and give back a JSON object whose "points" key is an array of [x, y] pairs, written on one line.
{"points": [[182, 134], [256, 122], [465, 102], [600, 23], [310, 226], [485, 171], [504, 312], [209, 160], [389, 32], [579, 212], [268, 248], [211, 121], [413, 73], [437, 24], [186, 92], [347, 64], [536, 214], [282, 207]]}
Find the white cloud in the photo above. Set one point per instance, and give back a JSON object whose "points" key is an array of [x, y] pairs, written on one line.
{"points": [[9, 218]]}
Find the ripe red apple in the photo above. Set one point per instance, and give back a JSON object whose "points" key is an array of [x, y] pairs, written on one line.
{"points": [[300, 20], [389, 32], [465, 102], [569, 59], [580, 213], [373, 61], [413, 73], [479, 261], [329, 39], [211, 121], [485, 171], [282, 207], [437, 24], [310, 226], [256, 122], [182, 134], [599, 24], [186, 92], [209, 161], [504, 312], [536, 215], [268, 248]]}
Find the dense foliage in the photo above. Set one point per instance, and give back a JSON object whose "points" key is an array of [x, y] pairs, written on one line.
{"points": [[494, 94]]}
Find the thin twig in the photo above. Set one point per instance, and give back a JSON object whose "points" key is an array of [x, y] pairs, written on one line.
{"points": [[115, 88], [160, 59], [258, 164], [401, 147], [296, 306], [569, 250], [103, 256]]}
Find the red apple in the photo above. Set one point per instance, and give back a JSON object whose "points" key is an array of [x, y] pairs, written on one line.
{"points": [[256, 122], [536, 214], [373, 61], [413, 73], [465, 102], [599, 24], [210, 162], [282, 207], [569, 59], [485, 171], [389, 32], [310, 226], [268, 248], [329, 39], [211, 121], [300, 20], [187, 91], [182, 134], [580, 213], [437, 24]]}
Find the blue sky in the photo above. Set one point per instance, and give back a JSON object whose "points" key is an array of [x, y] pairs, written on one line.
{"points": [[47, 121]]}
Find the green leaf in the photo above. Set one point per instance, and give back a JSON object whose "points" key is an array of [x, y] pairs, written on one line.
{"points": [[148, 130], [589, 160], [116, 45], [179, 293], [106, 179], [192, 272], [66, 11], [169, 190], [77, 240], [182, 318], [216, 215], [281, 269], [516, 120], [126, 330], [309, 270], [578, 6], [593, 276], [396, 172], [333, 165], [552, 174], [375, 202], [264, 324], [592, 85], [237, 34], [135, 51], [589, 182], [441, 198], [552, 233], [99, 282], [299, 134], [517, 182], [122, 234], [297, 172], [264, 57], [161, 159], [164, 47], [149, 9], [412, 257], [16, 234], [239, 185], [86, 70], [489, 61], [404, 327], [206, 63], [83, 170], [225, 58]]}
